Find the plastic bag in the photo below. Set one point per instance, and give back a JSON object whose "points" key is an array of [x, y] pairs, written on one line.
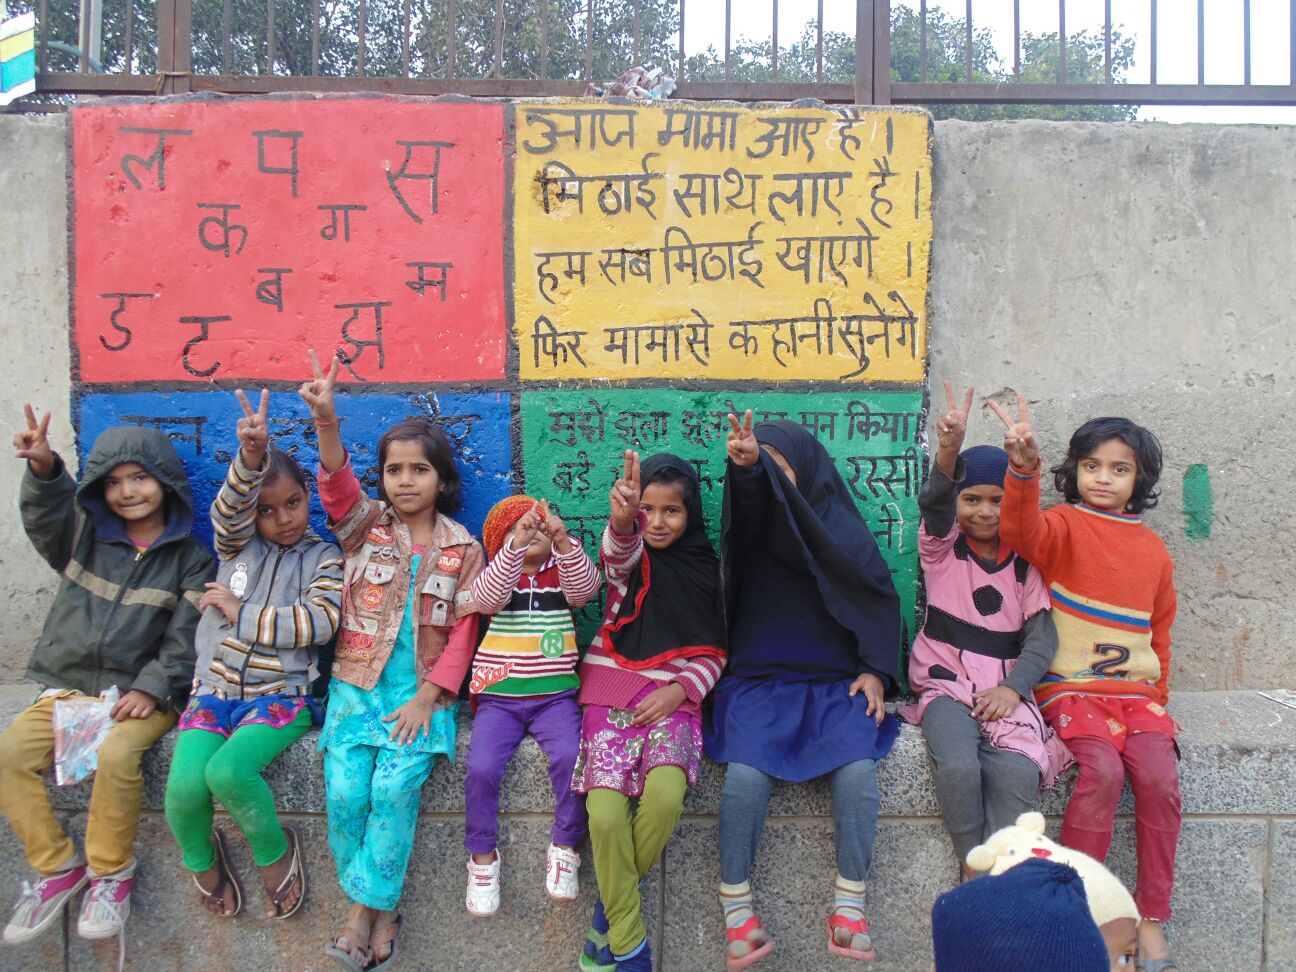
{"points": [[643, 81], [81, 724]]}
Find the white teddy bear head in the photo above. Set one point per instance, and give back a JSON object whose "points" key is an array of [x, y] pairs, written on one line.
{"points": [[1006, 848]]}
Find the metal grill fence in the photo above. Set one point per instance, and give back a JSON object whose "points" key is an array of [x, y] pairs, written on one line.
{"points": [[554, 47]]}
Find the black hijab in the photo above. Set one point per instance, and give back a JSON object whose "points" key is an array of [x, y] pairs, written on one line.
{"points": [[672, 606], [816, 527]]}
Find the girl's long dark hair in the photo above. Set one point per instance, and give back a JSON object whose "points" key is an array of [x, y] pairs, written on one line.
{"points": [[1086, 439]]}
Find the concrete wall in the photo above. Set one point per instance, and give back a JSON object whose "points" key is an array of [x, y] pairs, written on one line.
{"points": [[1135, 269]]}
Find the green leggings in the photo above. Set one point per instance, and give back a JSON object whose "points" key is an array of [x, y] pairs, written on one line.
{"points": [[207, 764], [627, 844]]}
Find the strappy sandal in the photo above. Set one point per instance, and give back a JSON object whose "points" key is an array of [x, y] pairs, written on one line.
{"points": [[751, 933], [296, 874], [384, 934], [228, 879], [852, 927], [351, 957]]}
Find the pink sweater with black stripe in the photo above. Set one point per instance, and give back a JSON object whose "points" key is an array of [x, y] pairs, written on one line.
{"points": [[603, 681]]}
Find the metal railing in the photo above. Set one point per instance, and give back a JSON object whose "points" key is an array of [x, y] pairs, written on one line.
{"points": [[554, 47]]}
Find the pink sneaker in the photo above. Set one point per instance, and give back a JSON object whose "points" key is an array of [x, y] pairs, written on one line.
{"points": [[107, 904], [39, 906]]}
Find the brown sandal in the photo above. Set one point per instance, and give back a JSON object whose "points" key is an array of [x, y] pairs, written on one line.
{"points": [[228, 880], [296, 875]]}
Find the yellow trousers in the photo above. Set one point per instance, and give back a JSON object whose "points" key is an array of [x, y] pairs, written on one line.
{"points": [[26, 754]]}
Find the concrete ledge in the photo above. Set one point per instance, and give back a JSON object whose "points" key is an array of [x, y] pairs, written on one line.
{"points": [[1235, 894]]}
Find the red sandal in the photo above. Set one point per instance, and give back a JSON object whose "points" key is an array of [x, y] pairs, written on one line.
{"points": [[850, 928], [752, 934]]}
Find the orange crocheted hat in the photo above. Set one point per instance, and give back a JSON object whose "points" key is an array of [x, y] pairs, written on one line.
{"points": [[500, 520]]}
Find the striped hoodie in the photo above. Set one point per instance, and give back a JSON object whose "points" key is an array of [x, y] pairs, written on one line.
{"points": [[530, 646], [1111, 582], [603, 681], [291, 597]]}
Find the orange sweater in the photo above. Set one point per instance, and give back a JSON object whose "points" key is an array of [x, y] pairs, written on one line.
{"points": [[1112, 585]]}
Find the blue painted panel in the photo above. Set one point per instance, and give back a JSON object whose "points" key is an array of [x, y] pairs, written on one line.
{"points": [[201, 425]]}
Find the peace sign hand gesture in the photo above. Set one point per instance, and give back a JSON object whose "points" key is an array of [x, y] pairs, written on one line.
{"points": [[741, 443], [952, 426], [253, 429], [1019, 440], [625, 496], [318, 392], [33, 444]]}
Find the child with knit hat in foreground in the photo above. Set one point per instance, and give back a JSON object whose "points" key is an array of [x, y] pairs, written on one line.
{"points": [[1032, 918], [1111, 906], [524, 680]]}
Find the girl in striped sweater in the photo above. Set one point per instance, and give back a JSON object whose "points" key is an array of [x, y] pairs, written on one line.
{"points": [[659, 652], [275, 602], [524, 680], [1111, 581]]}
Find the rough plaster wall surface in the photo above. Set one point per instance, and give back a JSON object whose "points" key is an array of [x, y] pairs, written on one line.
{"points": [[1130, 269], [1142, 270], [34, 297]]}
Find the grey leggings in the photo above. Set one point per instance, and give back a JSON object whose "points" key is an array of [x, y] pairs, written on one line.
{"points": [[742, 818], [980, 788]]}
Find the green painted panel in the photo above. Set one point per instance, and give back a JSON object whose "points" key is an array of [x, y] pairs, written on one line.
{"points": [[573, 441]]}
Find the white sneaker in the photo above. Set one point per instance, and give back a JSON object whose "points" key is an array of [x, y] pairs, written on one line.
{"points": [[483, 888], [561, 881], [106, 905]]}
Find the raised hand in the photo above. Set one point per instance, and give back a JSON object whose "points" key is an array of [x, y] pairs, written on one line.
{"points": [[33, 445], [526, 528], [553, 527], [253, 429], [952, 427], [625, 496], [318, 392], [741, 443], [1019, 440]]}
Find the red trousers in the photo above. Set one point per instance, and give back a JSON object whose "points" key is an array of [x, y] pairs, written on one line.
{"points": [[1149, 759]]}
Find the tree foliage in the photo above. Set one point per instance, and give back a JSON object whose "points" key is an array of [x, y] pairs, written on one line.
{"points": [[474, 47]]}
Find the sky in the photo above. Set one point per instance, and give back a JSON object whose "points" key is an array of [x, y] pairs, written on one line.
{"points": [[1176, 38]]}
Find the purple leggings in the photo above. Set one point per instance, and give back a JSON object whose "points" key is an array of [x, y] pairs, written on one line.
{"points": [[498, 728]]}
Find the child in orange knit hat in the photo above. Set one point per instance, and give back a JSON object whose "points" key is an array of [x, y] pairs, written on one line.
{"points": [[524, 681]]}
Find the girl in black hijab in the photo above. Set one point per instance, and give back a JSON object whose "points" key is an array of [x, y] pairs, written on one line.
{"points": [[814, 638]]}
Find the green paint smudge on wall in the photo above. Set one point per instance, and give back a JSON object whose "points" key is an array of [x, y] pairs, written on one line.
{"points": [[1198, 502]]}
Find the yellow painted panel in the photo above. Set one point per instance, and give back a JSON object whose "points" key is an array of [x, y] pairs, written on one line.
{"points": [[716, 241]]}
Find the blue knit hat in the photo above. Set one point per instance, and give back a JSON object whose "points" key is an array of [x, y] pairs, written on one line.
{"points": [[983, 465], [1033, 916]]}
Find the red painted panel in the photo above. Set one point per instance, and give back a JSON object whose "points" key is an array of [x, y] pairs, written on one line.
{"points": [[210, 252]]}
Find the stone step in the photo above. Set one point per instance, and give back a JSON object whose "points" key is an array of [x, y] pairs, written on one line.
{"points": [[1235, 895]]}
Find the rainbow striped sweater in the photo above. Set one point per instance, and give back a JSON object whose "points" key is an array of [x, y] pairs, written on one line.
{"points": [[1111, 581]]}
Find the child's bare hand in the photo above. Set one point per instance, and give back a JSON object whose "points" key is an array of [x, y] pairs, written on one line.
{"points": [[222, 598], [133, 705], [414, 718], [555, 529], [253, 429], [526, 528], [625, 496], [994, 703], [952, 427], [873, 690], [318, 392], [33, 445], [1019, 440], [659, 704], [741, 443]]}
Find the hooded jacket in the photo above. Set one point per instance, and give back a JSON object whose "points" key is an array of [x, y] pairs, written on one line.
{"points": [[121, 616], [291, 600]]}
